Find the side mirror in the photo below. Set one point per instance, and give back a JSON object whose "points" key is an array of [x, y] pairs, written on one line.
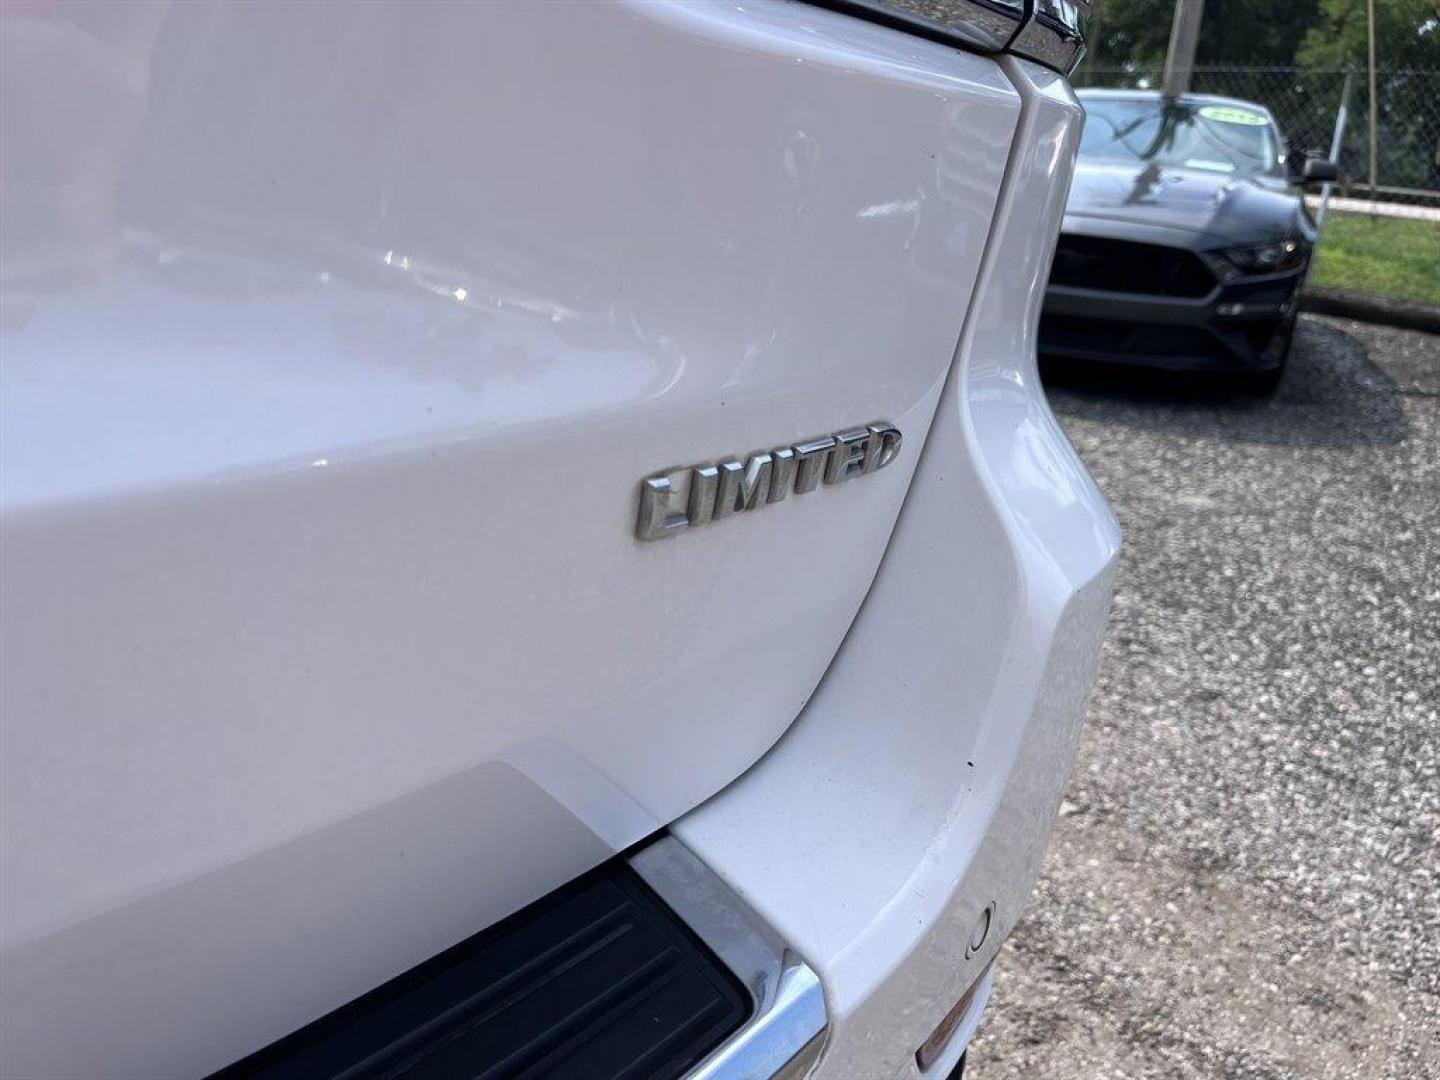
{"points": [[1319, 171]]}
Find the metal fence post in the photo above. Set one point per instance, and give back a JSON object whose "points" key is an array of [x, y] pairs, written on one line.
{"points": [[1336, 141], [1374, 103]]}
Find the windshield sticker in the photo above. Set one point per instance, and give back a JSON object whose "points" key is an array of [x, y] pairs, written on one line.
{"points": [[1229, 114]]}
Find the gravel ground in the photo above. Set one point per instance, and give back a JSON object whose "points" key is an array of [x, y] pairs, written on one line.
{"points": [[1245, 877]]}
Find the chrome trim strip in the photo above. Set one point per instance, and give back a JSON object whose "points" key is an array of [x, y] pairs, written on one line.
{"points": [[784, 1035]]}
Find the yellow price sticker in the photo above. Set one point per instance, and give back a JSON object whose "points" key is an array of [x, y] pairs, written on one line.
{"points": [[1229, 114]]}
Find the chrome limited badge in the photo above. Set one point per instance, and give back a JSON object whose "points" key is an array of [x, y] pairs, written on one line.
{"points": [[713, 490]]}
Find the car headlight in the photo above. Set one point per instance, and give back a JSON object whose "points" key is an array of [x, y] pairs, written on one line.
{"points": [[1272, 258]]}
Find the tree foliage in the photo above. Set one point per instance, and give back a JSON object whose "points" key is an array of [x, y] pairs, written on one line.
{"points": [[1311, 33], [1407, 35]]}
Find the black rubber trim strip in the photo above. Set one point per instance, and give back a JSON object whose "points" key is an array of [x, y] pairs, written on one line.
{"points": [[599, 979], [1064, 37], [927, 28]]}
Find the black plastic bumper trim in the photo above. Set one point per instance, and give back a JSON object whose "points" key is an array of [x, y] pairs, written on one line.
{"points": [[599, 979]]}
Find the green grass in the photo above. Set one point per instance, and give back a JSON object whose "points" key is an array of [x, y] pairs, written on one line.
{"points": [[1388, 256]]}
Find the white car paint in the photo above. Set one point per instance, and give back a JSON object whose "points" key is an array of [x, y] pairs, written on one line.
{"points": [[334, 348], [920, 783]]}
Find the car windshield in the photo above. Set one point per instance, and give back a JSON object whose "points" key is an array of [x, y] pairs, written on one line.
{"points": [[1228, 138]]}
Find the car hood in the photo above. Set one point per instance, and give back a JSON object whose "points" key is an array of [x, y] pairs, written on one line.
{"points": [[1228, 208]]}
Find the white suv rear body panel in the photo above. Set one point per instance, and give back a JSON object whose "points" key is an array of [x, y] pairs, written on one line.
{"points": [[919, 786], [336, 346], [333, 351]]}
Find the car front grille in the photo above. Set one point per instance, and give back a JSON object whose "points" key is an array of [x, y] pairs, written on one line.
{"points": [[1098, 262]]}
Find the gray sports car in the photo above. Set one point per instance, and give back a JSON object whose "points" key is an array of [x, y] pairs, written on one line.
{"points": [[1185, 239]]}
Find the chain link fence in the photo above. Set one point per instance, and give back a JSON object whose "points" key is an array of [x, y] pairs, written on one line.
{"points": [[1305, 103]]}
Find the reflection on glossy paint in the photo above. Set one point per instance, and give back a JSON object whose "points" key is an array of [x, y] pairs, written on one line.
{"points": [[890, 209], [438, 280]]}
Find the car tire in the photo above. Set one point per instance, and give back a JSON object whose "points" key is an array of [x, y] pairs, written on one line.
{"points": [[1264, 383]]}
